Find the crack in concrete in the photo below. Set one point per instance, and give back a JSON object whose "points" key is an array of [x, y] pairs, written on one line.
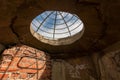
{"points": [[12, 28], [11, 25], [104, 23], [103, 31]]}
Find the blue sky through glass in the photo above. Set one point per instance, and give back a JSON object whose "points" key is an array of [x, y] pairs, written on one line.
{"points": [[56, 24]]}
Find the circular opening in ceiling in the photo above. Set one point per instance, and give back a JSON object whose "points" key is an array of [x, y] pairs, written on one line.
{"points": [[57, 27]]}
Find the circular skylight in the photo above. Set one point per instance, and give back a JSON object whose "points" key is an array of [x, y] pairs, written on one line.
{"points": [[55, 26]]}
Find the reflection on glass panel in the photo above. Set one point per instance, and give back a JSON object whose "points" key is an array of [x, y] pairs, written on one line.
{"points": [[64, 14], [60, 26], [77, 30], [58, 23], [54, 12], [48, 25], [44, 15], [57, 36], [46, 29], [39, 19], [72, 21], [51, 21], [48, 12], [45, 34], [61, 30], [36, 23], [52, 17], [68, 17], [33, 27], [59, 17], [76, 24]]}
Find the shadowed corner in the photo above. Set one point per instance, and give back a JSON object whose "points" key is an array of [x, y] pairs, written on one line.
{"points": [[25, 63]]}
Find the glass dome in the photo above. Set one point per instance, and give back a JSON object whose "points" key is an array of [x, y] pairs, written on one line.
{"points": [[55, 25]]}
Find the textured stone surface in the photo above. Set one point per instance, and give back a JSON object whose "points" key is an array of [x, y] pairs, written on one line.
{"points": [[108, 63], [101, 20], [58, 71], [102, 29], [74, 69], [22, 62]]}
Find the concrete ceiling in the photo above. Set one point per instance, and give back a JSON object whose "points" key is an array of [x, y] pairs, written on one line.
{"points": [[101, 20]]}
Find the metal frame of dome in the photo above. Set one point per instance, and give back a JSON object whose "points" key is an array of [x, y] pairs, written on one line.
{"points": [[57, 27]]}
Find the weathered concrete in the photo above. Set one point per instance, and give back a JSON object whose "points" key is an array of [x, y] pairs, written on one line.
{"points": [[74, 69], [101, 20], [58, 71], [102, 29], [108, 63]]}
